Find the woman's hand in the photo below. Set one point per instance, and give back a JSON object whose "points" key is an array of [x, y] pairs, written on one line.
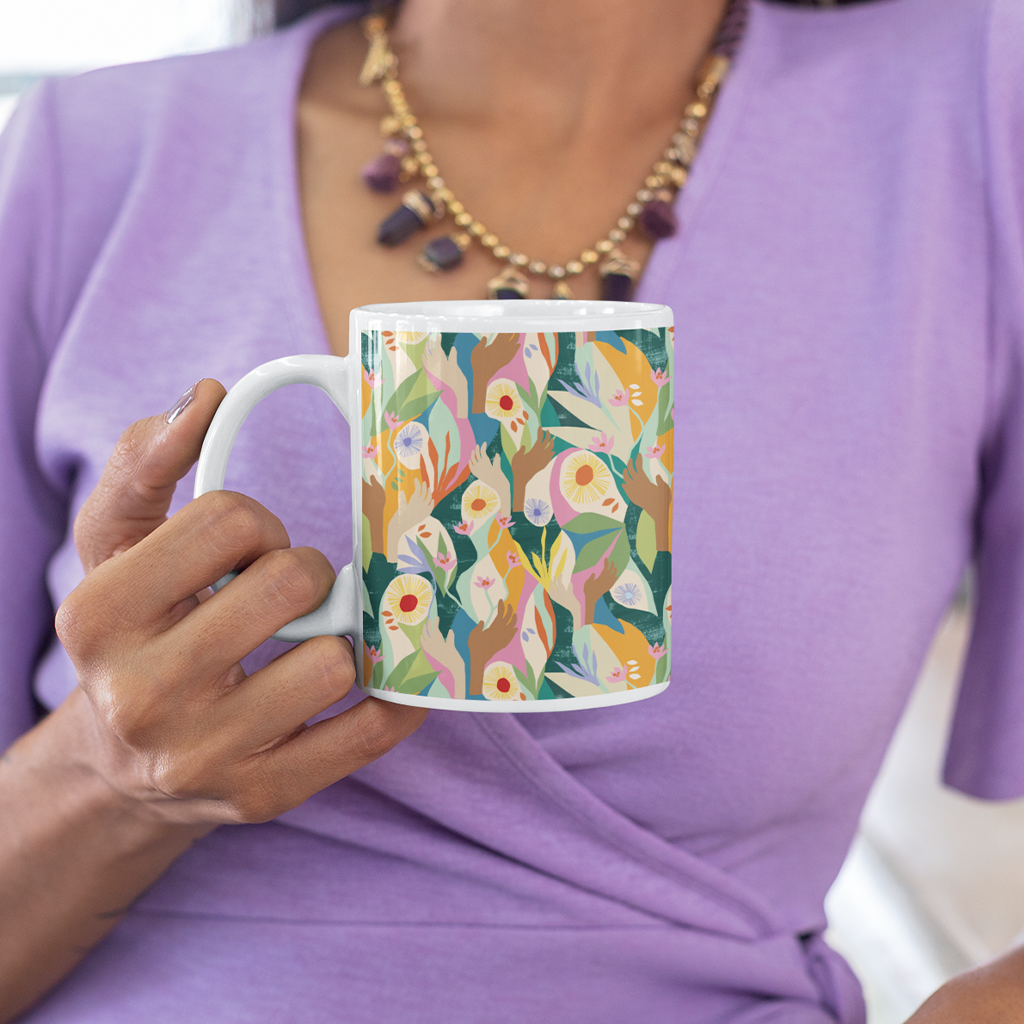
{"points": [[179, 728], [166, 737]]}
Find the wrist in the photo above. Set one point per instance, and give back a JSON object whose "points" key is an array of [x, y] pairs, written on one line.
{"points": [[69, 764]]}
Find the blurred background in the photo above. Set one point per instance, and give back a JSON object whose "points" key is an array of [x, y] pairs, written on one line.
{"points": [[935, 881]]}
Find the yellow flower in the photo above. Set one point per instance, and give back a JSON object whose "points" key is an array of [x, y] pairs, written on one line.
{"points": [[503, 402], [479, 501], [408, 598], [500, 682], [585, 478]]}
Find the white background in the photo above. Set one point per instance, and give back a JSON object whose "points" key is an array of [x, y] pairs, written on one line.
{"points": [[46, 37]]}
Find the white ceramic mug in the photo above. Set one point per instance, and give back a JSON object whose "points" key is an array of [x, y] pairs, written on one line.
{"points": [[512, 481]]}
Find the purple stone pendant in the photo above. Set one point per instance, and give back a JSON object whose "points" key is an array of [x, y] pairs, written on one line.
{"points": [[657, 218], [414, 213], [383, 172], [618, 273], [508, 284], [443, 252]]}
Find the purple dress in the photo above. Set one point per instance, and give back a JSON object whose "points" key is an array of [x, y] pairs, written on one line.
{"points": [[848, 289]]}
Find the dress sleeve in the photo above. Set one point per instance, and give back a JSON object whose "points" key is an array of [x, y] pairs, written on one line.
{"points": [[986, 748], [33, 518]]}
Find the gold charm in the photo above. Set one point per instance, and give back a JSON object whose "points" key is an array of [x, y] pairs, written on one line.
{"points": [[379, 58], [508, 284]]}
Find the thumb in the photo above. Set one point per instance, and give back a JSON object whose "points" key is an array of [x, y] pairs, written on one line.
{"points": [[134, 493]]}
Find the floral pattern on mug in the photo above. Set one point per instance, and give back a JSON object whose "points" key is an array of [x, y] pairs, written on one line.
{"points": [[517, 500]]}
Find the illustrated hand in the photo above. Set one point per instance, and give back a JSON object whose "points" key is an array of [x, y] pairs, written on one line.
{"points": [[373, 508], [491, 474], [487, 360], [412, 510], [164, 712], [446, 370], [485, 642], [596, 586], [564, 595], [654, 498], [527, 463], [443, 652]]}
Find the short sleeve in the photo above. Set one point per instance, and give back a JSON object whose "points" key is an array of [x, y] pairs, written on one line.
{"points": [[986, 749], [33, 519]]}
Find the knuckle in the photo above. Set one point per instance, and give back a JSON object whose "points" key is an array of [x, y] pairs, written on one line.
{"points": [[82, 624], [290, 579], [129, 451], [132, 717], [233, 526], [333, 664]]}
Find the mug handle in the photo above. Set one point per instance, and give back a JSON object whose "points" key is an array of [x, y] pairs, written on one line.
{"points": [[341, 613]]}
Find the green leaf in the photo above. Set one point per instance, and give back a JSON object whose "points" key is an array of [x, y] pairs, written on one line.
{"points": [[413, 397], [412, 674], [595, 551], [646, 546], [665, 409], [367, 544], [661, 670], [591, 522]]}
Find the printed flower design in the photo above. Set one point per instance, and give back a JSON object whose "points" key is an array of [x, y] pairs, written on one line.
{"points": [[628, 594], [500, 682], [446, 562], [503, 402], [515, 507], [585, 478], [478, 501], [408, 598], [537, 511], [408, 443]]}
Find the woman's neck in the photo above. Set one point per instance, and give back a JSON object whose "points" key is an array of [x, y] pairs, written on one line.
{"points": [[553, 71]]}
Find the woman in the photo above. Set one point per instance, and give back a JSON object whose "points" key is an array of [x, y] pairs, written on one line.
{"points": [[847, 286]]}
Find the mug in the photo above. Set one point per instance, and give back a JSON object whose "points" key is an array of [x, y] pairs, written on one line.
{"points": [[512, 492]]}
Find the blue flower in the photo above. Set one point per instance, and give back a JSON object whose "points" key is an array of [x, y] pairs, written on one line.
{"points": [[408, 441], [628, 594], [538, 512]]}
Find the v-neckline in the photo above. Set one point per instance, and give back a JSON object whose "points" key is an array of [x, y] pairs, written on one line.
{"points": [[304, 308]]}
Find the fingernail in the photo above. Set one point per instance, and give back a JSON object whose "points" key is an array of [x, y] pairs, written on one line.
{"points": [[181, 404]]}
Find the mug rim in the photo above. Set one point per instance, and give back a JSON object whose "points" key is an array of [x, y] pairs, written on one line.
{"points": [[487, 315]]}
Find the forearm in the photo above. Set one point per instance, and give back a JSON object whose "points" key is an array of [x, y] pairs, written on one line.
{"points": [[74, 854], [993, 994]]}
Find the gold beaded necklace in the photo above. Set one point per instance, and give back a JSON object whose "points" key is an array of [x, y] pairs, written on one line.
{"points": [[406, 157]]}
